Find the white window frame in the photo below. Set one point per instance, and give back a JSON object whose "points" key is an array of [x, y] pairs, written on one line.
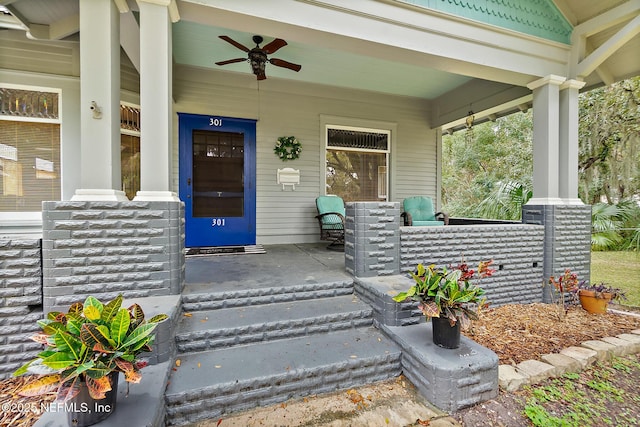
{"points": [[360, 125], [24, 223]]}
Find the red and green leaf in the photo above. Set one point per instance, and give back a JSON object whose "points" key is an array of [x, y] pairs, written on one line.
{"points": [[430, 309], [76, 308], [98, 387], [137, 315], [91, 334], [68, 390]]}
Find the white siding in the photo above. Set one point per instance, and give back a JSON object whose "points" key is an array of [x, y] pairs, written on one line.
{"points": [[285, 108], [21, 54]]}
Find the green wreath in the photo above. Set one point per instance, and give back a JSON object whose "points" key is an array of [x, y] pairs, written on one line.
{"points": [[288, 148]]}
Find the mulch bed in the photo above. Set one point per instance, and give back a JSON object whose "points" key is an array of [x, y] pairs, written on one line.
{"points": [[20, 411], [519, 332]]}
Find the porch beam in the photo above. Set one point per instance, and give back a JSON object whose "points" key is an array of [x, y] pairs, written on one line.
{"points": [[608, 48], [130, 38], [55, 31], [607, 19], [479, 96]]}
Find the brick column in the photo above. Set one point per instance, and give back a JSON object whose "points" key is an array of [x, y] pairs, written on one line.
{"points": [[567, 240], [372, 238], [109, 248]]}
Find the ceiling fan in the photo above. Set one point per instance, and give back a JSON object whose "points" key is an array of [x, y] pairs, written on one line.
{"points": [[257, 56]]}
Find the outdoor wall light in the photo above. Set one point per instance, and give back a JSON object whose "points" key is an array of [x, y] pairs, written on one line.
{"points": [[97, 111]]}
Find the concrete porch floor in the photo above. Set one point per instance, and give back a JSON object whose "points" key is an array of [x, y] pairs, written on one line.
{"points": [[281, 265]]}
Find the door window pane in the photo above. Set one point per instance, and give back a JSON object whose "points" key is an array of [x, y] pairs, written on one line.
{"points": [[218, 174]]}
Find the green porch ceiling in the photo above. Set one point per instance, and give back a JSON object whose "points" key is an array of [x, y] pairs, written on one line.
{"points": [[540, 18]]}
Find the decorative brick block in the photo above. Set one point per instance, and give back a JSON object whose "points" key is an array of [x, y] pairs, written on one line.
{"points": [[371, 238], [516, 249], [105, 248], [567, 240]]}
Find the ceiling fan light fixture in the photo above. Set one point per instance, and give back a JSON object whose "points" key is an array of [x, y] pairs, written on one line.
{"points": [[257, 59], [258, 56]]}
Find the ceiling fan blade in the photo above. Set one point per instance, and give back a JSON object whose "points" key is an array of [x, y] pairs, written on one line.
{"points": [[235, 43], [261, 76], [231, 61], [285, 64], [274, 45]]}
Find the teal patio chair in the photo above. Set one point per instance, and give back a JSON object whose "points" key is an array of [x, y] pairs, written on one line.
{"points": [[331, 213], [418, 210]]}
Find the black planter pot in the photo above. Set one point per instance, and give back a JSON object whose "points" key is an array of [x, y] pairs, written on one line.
{"points": [[84, 411], [445, 335]]}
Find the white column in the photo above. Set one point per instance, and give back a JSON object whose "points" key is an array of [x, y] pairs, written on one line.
{"points": [[156, 100], [568, 148], [546, 135], [99, 101]]}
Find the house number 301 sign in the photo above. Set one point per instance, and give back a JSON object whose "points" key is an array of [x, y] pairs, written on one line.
{"points": [[217, 222], [215, 121]]}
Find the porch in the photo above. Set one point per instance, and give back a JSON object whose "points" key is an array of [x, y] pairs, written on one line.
{"points": [[258, 329]]}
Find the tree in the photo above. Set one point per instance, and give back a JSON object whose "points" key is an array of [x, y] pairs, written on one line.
{"points": [[499, 157], [609, 135], [615, 226], [475, 168]]}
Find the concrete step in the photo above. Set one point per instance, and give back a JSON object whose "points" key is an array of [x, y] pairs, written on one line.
{"points": [[210, 384], [213, 329], [192, 302]]}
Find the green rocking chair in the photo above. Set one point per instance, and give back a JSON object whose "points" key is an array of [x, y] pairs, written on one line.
{"points": [[331, 213], [418, 210]]}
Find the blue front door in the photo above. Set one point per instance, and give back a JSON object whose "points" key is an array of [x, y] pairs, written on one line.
{"points": [[217, 180]]}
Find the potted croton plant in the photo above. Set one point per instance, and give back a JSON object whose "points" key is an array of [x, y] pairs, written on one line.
{"points": [[448, 298], [595, 298], [85, 349]]}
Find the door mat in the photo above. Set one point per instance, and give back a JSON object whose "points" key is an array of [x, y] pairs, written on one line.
{"points": [[224, 250]]}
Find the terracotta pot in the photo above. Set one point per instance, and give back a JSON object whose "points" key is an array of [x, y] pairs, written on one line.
{"points": [[592, 303]]}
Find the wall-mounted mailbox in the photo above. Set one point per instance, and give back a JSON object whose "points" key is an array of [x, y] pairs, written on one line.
{"points": [[288, 177]]}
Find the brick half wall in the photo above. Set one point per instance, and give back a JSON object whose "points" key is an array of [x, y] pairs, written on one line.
{"points": [[516, 250], [20, 302], [109, 248]]}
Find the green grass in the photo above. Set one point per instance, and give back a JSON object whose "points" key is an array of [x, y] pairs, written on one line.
{"points": [[620, 269], [602, 395]]}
